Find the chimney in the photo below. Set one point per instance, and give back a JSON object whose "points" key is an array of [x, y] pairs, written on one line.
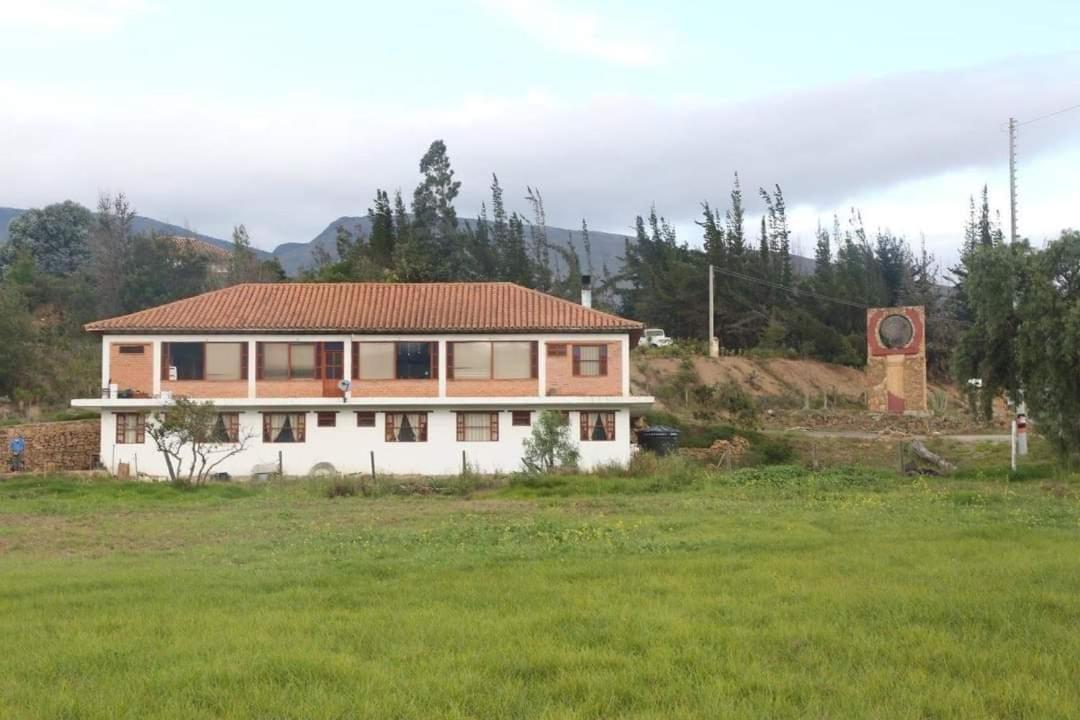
{"points": [[586, 291]]}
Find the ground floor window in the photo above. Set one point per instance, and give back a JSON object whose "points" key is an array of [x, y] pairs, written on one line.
{"points": [[521, 418], [365, 418], [130, 428], [477, 426], [597, 426], [283, 427], [226, 428], [326, 419], [406, 427]]}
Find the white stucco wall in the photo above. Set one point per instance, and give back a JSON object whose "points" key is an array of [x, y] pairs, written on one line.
{"points": [[348, 447]]}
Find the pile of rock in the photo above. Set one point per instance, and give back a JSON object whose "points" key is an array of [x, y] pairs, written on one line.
{"points": [[54, 446]]}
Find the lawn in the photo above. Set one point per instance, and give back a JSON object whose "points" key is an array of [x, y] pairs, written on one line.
{"points": [[761, 593]]}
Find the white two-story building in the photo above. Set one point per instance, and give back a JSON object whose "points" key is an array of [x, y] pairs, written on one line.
{"points": [[409, 375]]}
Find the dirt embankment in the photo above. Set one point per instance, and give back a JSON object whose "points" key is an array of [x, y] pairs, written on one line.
{"points": [[804, 393]]}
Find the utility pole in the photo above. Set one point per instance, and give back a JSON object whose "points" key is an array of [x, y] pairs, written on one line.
{"points": [[714, 349], [1012, 179]]}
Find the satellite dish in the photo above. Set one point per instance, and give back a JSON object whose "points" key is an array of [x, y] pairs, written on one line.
{"points": [[344, 385]]}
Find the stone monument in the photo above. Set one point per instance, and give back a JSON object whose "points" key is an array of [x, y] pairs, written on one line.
{"points": [[896, 359]]}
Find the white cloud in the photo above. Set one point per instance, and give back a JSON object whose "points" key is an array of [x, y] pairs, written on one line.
{"points": [[289, 167], [575, 31], [68, 15]]}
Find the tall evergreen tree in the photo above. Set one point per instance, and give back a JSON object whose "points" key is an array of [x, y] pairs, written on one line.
{"points": [[736, 238], [383, 235]]}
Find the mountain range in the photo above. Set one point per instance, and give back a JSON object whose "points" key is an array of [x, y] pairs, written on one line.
{"points": [[295, 256]]}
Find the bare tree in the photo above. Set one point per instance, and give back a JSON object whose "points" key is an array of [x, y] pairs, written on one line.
{"points": [[195, 438]]}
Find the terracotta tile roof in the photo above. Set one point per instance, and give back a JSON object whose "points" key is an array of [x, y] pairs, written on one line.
{"points": [[368, 307]]}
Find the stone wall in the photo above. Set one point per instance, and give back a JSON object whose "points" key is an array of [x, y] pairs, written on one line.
{"points": [[54, 446]]}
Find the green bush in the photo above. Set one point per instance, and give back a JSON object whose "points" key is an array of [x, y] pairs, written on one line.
{"points": [[766, 450]]}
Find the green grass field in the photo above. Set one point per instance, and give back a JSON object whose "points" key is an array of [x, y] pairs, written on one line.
{"points": [[757, 594]]}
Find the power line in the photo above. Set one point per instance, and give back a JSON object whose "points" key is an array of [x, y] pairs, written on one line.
{"points": [[1047, 115], [785, 288]]}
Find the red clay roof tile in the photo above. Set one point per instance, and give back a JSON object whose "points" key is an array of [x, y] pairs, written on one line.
{"points": [[368, 307]]}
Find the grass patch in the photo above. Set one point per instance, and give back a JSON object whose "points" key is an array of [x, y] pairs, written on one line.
{"points": [[655, 591]]}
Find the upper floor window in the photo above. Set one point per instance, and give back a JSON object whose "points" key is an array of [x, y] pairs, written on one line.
{"points": [[395, 360], [132, 349], [286, 361], [590, 360], [204, 361], [502, 360]]}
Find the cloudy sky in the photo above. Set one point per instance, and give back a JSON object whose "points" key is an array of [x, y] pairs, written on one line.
{"points": [[284, 118]]}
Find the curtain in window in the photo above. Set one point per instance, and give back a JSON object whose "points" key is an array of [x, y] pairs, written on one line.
{"points": [[513, 360], [284, 427], [588, 360], [275, 361], [597, 426], [302, 360], [223, 361], [478, 426], [130, 428], [376, 360], [472, 360], [406, 427]]}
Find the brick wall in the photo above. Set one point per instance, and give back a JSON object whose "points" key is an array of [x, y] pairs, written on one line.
{"points": [[493, 388], [288, 388], [207, 388], [132, 371], [70, 445], [395, 388], [561, 380]]}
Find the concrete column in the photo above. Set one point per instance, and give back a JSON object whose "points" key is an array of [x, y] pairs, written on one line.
{"points": [[541, 366], [624, 345], [155, 370], [252, 365], [442, 368]]}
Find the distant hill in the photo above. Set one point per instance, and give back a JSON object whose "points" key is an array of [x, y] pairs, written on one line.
{"points": [[140, 225], [607, 247], [295, 256]]}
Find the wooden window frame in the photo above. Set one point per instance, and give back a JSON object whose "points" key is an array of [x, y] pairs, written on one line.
{"points": [[390, 418], [433, 351], [365, 418], [122, 420], [299, 430], [556, 349], [166, 359], [326, 418], [493, 425], [517, 417], [534, 359], [602, 361], [260, 359], [231, 421], [610, 422], [127, 349]]}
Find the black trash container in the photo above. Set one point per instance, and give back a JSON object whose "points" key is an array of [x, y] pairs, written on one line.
{"points": [[660, 439]]}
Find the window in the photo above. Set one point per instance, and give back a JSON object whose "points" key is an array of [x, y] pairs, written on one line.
{"points": [[283, 427], [485, 360], [326, 419], [226, 428], [590, 360], [395, 361], [597, 426], [470, 360], [512, 360], [477, 426], [289, 361], [302, 360], [406, 427], [521, 418], [132, 349], [333, 360], [130, 428], [365, 418], [414, 360], [556, 350], [225, 361], [188, 358]]}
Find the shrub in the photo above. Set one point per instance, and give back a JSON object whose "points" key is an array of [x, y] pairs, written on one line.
{"points": [[765, 450], [549, 446], [342, 487]]}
